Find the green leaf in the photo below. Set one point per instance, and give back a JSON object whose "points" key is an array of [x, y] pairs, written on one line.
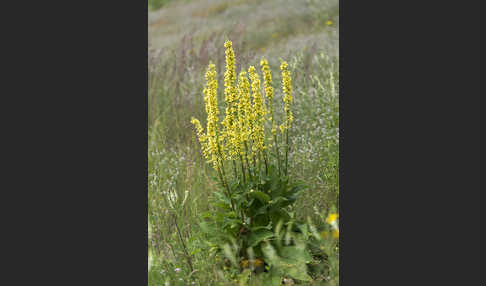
{"points": [[261, 210], [244, 276], [230, 222], [221, 197], [295, 253], [258, 236], [222, 205], [253, 229], [207, 228], [280, 201], [261, 196], [261, 220], [295, 188], [277, 214], [298, 273]]}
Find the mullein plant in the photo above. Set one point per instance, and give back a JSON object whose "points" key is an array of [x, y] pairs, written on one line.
{"points": [[256, 196], [240, 137]]}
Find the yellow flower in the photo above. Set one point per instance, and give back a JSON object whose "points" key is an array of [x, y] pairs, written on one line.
{"points": [[332, 218], [329, 22]]}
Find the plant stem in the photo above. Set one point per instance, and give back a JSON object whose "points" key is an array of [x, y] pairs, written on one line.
{"points": [[286, 151], [247, 163], [243, 169], [266, 162], [225, 185], [254, 165], [188, 257], [278, 152], [234, 169]]}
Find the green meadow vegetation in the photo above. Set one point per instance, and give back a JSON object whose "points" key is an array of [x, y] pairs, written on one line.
{"points": [[272, 220]]}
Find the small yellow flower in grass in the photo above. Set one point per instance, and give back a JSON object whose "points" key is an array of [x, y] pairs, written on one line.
{"points": [[329, 23], [335, 233], [251, 191], [332, 218]]}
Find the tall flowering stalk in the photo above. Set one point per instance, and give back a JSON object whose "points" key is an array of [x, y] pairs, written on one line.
{"points": [[230, 122], [244, 111], [287, 89], [267, 81], [211, 142], [258, 115]]}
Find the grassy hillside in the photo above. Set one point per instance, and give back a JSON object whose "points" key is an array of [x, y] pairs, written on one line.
{"points": [[183, 37]]}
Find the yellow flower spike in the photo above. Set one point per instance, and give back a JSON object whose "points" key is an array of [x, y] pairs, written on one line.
{"points": [[267, 81], [244, 110], [230, 132], [202, 137], [211, 101], [258, 114], [287, 90]]}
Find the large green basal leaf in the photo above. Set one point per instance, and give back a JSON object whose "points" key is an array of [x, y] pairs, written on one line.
{"points": [[298, 272], [258, 236], [296, 253], [294, 260]]}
